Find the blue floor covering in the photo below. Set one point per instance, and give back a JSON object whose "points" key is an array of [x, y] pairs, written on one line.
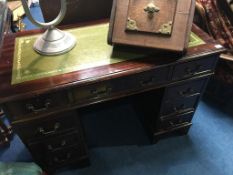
{"points": [[206, 150]]}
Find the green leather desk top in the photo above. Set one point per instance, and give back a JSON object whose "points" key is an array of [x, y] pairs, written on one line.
{"points": [[91, 51]]}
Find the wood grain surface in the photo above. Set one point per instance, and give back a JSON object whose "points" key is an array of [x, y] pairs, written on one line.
{"points": [[181, 23], [83, 77]]}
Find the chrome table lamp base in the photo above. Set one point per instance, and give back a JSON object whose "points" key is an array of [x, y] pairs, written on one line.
{"points": [[53, 41]]}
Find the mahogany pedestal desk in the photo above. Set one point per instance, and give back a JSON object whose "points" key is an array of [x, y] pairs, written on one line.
{"points": [[164, 87]]}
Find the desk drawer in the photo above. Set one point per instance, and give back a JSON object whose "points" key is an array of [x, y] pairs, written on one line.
{"points": [[177, 106], [66, 156], [176, 120], [57, 159], [185, 90], [95, 91], [38, 104], [58, 150], [46, 126], [193, 68], [180, 129], [57, 142], [152, 78], [111, 88]]}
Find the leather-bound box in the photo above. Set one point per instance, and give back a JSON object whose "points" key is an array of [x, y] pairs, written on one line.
{"points": [[159, 24]]}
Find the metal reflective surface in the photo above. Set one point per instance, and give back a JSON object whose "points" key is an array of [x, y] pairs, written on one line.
{"points": [[53, 41]]}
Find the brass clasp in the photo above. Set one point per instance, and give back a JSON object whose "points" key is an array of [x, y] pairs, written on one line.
{"points": [[151, 8]]}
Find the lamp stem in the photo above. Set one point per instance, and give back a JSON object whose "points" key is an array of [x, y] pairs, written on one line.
{"points": [[55, 22]]}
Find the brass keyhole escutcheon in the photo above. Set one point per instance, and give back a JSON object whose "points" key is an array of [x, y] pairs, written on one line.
{"points": [[151, 8]]}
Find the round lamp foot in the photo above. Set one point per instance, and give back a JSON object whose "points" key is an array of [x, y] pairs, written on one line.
{"points": [[54, 42]]}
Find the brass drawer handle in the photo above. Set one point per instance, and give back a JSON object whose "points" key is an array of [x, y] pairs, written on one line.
{"points": [[56, 126], [34, 109], [179, 108], [147, 82], [172, 124], [190, 71], [62, 159], [101, 91], [61, 145], [188, 93]]}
